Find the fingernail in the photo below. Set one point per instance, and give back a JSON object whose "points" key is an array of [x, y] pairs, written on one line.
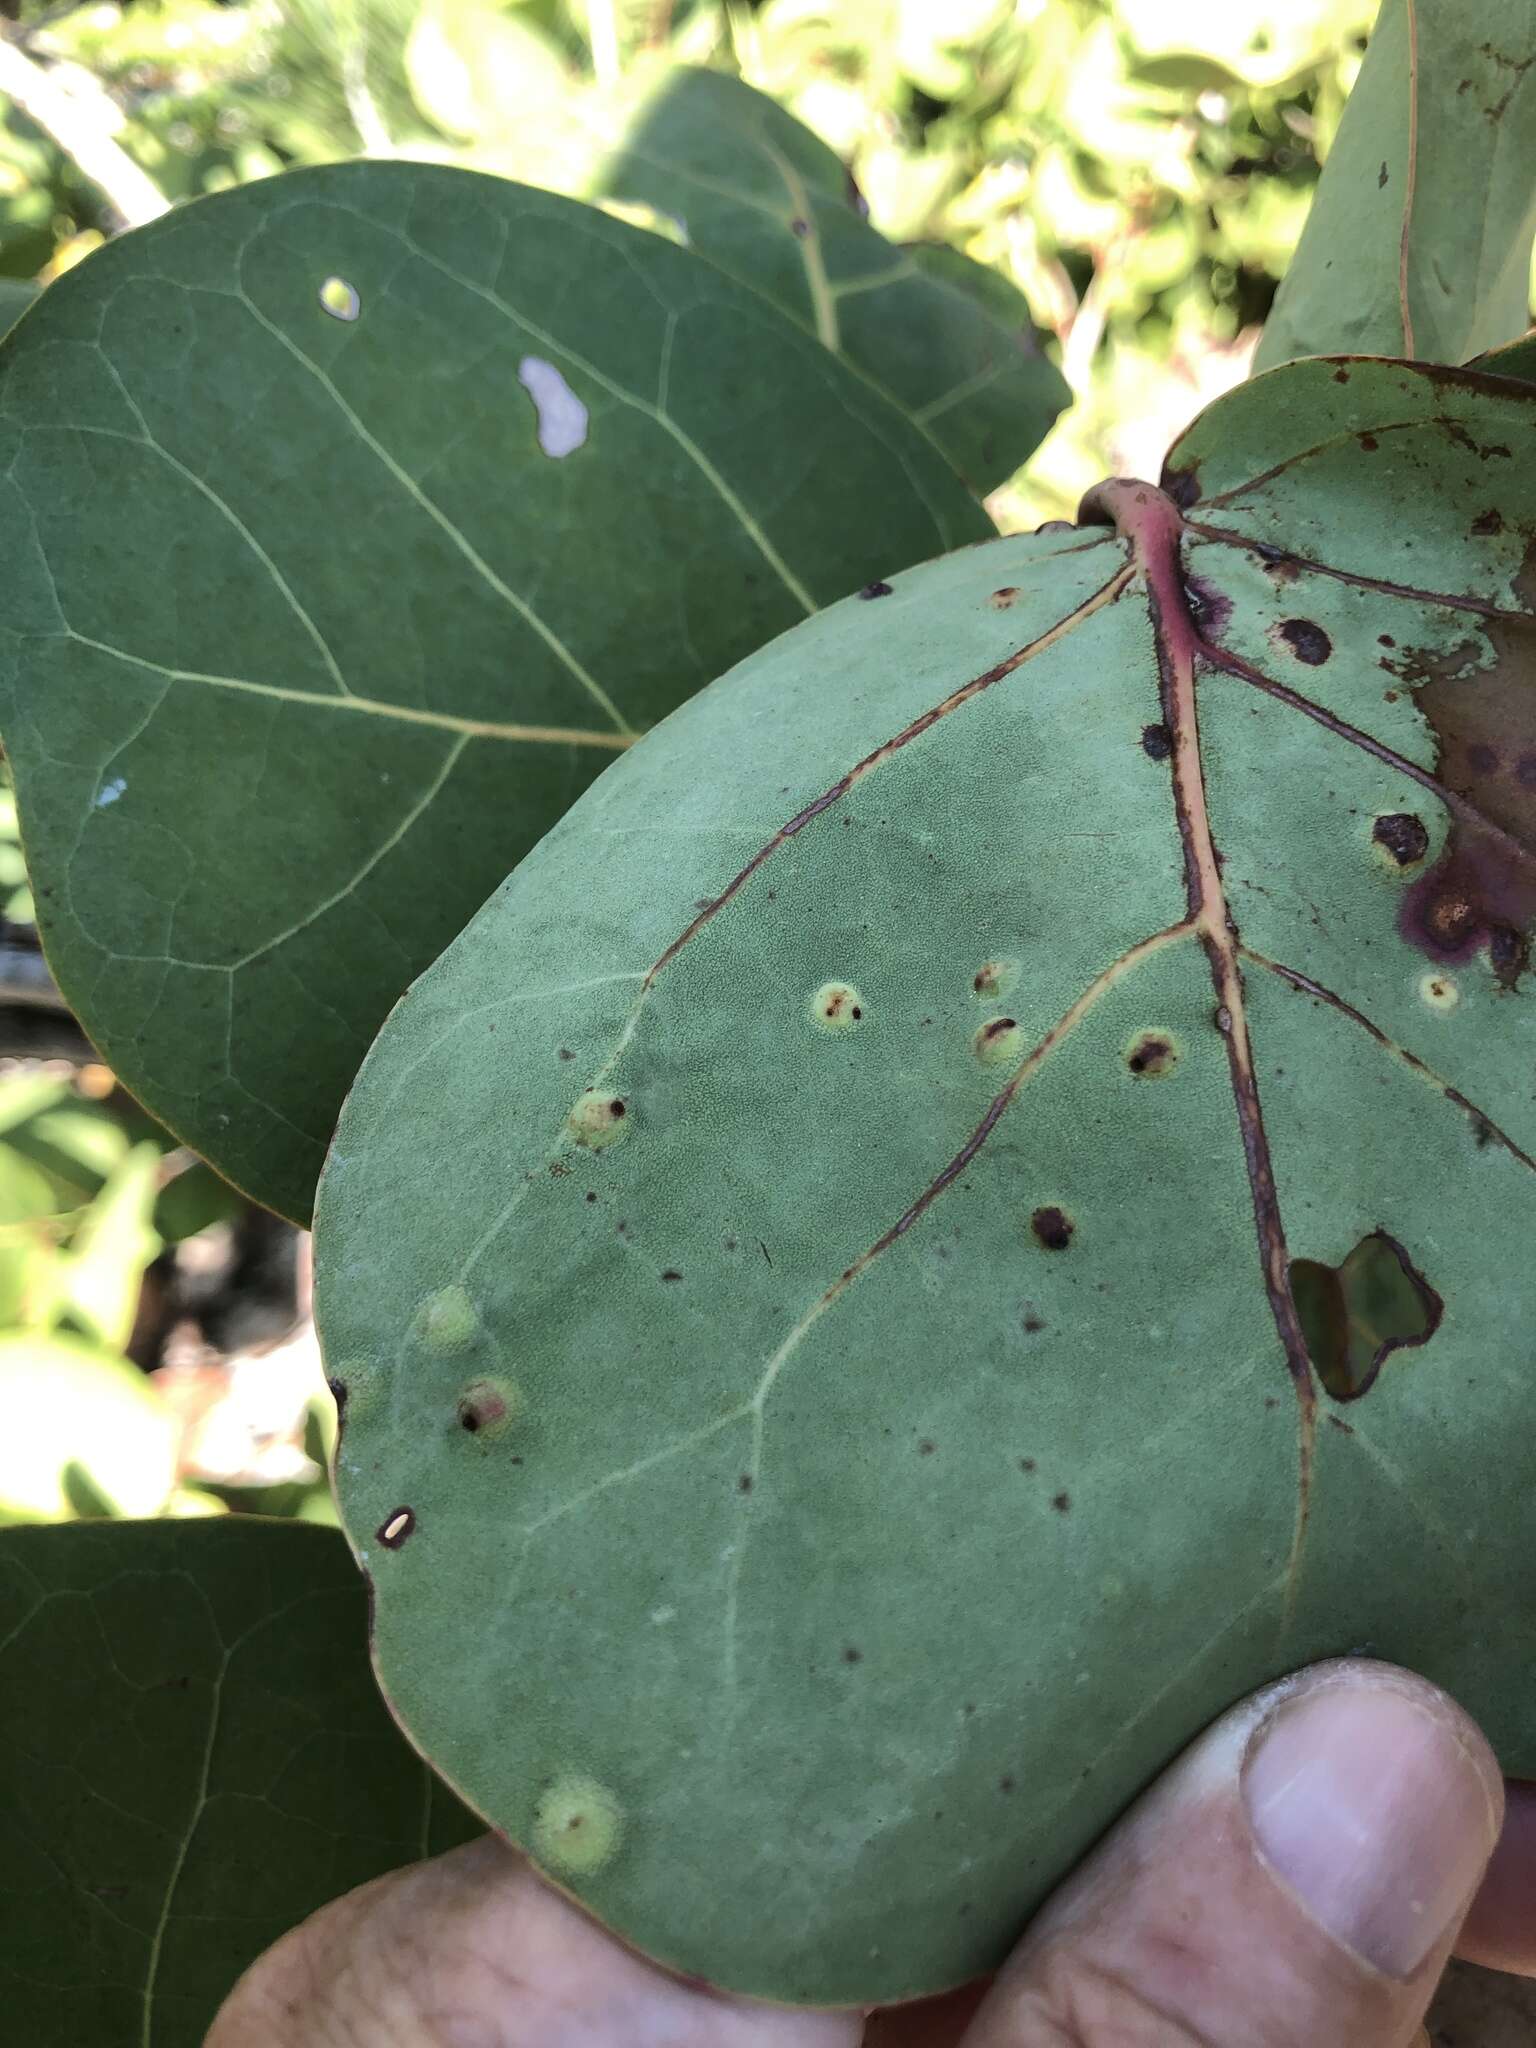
{"points": [[1370, 1806]]}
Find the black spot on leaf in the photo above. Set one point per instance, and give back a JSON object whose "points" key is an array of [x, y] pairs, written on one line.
{"points": [[876, 589], [1403, 836], [397, 1527], [1053, 1228], [1156, 742], [1307, 641]]}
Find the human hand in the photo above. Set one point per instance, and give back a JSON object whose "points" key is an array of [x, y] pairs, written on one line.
{"points": [[1297, 1879]]}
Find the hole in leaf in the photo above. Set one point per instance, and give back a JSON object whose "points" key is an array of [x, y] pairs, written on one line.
{"points": [[562, 418], [1354, 1316], [340, 299], [1152, 1054]]}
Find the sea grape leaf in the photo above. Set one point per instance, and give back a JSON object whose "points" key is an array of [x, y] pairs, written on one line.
{"points": [[352, 522], [828, 1276], [16, 295], [195, 1757], [1419, 239], [759, 194], [1515, 359]]}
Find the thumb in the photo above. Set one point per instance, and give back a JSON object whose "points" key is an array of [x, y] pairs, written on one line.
{"points": [[1296, 1879]]}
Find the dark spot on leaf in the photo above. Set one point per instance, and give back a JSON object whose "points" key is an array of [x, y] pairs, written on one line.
{"points": [[1061, 1502], [744, 1483], [1034, 1322], [1381, 175], [927, 1447], [1307, 641], [997, 1026], [1026, 1464], [591, 1194], [338, 1393], [1355, 1315], [853, 1656], [1156, 741], [1183, 486], [1152, 1054], [876, 589], [1005, 1784], [616, 1108], [1053, 1228], [800, 228], [396, 1527], [1385, 640], [1509, 954], [1491, 521], [1367, 442], [1341, 376], [1339, 1423], [671, 1274], [1001, 600], [1483, 759], [1403, 836], [566, 1053]]}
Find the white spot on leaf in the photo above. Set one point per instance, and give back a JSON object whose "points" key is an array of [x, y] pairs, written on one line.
{"points": [[562, 416], [111, 791], [340, 299]]}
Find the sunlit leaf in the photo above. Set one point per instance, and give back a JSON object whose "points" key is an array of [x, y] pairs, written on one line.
{"points": [[764, 198], [1419, 239]]}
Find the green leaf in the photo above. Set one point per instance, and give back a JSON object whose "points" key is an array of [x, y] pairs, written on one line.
{"points": [[1419, 239], [308, 639], [193, 1757], [80, 1424], [763, 197], [116, 1240], [1516, 359], [15, 297], [892, 1437]]}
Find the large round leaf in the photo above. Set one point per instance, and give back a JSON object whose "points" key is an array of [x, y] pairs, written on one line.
{"points": [[1004, 1222], [352, 522]]}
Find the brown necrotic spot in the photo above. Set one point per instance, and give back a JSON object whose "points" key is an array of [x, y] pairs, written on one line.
{"points": [[1052, 1228], [488, 1407], [1152, 1054], [599, 1119], [994, 978], [1156, 741], [1491, 521], [1402, 837], [1306, 640], [853, 1656], [837, 1006], [1061, 1502], [1001, 600], [998, 1042], [396, 1527], [1356, 1314], [1483, 715], [876, 589], [338, 1393]]}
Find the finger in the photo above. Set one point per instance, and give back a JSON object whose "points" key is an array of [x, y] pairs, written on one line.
{"points": [[473, 1947], [1298, 1877], [1500, 1930]]}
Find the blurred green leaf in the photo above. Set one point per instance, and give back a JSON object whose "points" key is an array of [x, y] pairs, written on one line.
{"points": [[477, 71], [68, 1406], [193, 1757], [104, 1270], [764, 198], [1419, 239], [192, 1200]]}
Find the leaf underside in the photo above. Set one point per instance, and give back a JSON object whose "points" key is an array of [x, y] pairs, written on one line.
{"points": [[759, 194], [821, 1289], [1418, 242], [193, 1757], [352, 522]]}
